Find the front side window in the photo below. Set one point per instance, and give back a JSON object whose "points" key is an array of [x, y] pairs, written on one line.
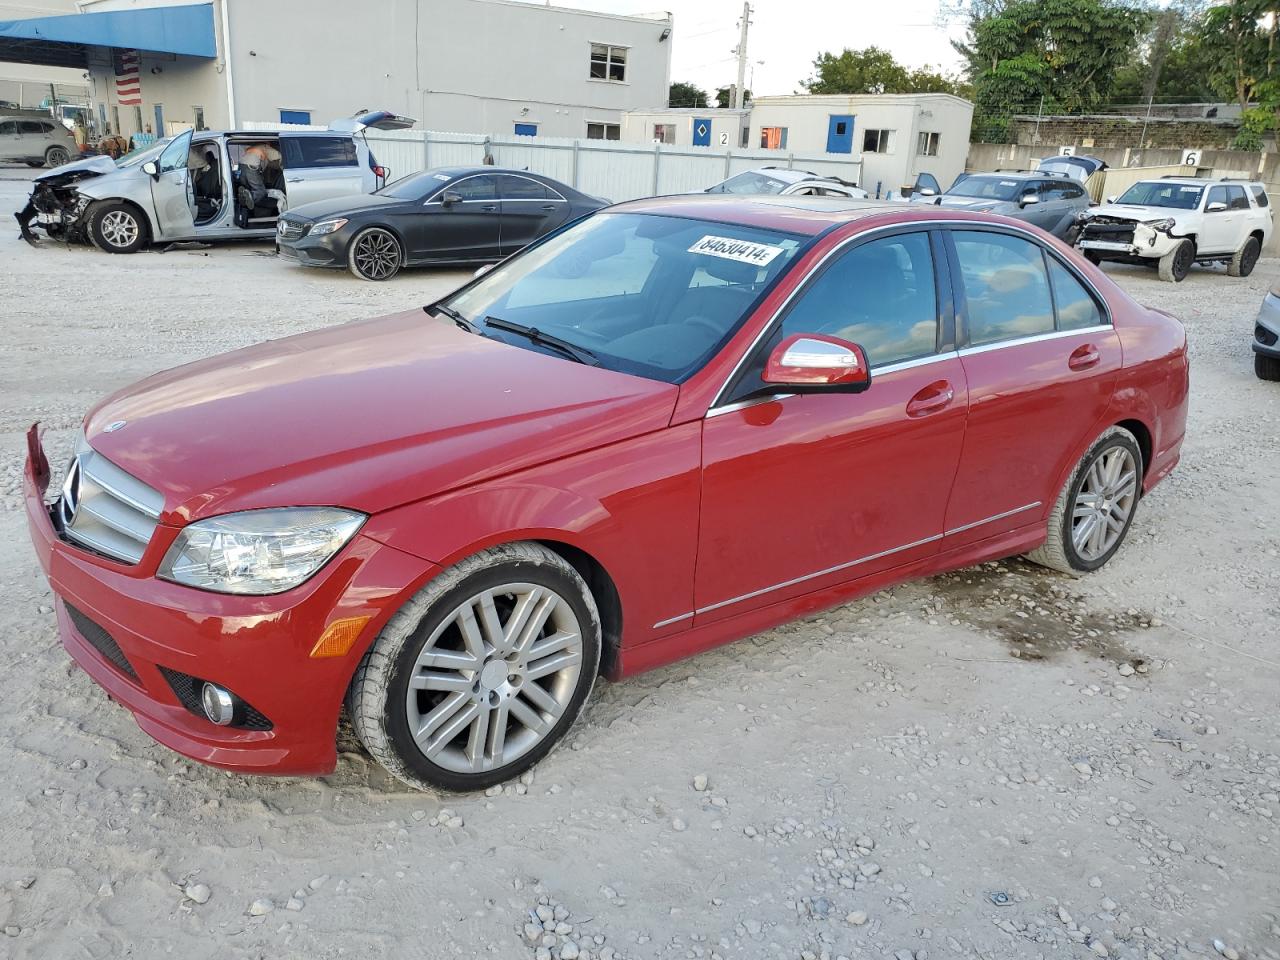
{"points": [[608, 62], [928, 145], [875, 141], [652, 296], [880, 295], [484, 187], [604, 131], [1006, 287], [174, 155], [9, 128], [773, 138]]}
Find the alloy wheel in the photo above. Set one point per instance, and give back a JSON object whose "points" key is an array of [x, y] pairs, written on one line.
{"points": [[57, 156], [1104, 504], [494, 677], [377, 255], [118, 228]]}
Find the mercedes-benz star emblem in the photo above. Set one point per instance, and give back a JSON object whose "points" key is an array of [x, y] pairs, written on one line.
{"points": [[114, 426], [70, 501]]}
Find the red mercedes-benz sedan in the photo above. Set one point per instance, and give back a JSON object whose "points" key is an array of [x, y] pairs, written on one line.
{"points": [[675, 423]]}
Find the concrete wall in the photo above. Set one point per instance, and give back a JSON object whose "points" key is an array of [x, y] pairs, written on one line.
{"points": [[905, 115], [726, 126]]}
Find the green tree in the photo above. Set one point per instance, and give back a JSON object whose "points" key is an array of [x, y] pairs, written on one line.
{"points": [[1172, 65], [686, 95], [874, 70], [724, 96]]}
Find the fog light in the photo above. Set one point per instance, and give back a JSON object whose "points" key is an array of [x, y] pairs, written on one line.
{"points": [[219, 705]]}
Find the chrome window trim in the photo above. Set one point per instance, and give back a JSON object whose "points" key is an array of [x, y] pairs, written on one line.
{"points": [[559, 197], [1033, 338], [924, 226], [844, 566]]}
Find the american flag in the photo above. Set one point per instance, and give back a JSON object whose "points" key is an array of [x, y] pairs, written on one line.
{"points": [[128, 81]]}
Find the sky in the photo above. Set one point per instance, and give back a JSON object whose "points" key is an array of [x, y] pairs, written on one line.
{"points": [[788, 34]]}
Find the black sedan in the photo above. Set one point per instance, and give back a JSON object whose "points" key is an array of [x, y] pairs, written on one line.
{"points": [[450, 215]]}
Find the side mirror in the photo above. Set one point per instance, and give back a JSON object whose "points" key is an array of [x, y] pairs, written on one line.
{"points": [[811, 362], [450, 197], [1028, 199], [1216, 207], [1111, 199], [150, 169], [927, 192]]}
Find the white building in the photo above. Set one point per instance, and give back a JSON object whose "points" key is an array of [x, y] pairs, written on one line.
{"points": [[897, 135], [471, 66], [686, 127]]}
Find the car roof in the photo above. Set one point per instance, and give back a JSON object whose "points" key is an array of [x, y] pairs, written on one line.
{"points": [[1202, 181], [802, 215], [1016, 174]]}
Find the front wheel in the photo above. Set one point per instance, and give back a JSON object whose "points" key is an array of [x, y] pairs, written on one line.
{"points": [[375, 254], [1245, 259], [1176, 264], [117, 228], [480, 675], [1093, 513]]}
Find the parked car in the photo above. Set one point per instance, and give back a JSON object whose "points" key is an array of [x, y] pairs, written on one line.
{"points": [[1177, 221], [35, 141], [447, 215], [1050, 201], [676, 422], [206, 185], [1266, 337], [788, 183]]}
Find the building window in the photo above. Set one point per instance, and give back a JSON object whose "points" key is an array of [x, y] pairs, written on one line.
{"points": [[608, 62], [199, 117], [302, 117], [875, 141], [773, 138], [604, 131], [664, 133], [928, 146], [526, 129]]}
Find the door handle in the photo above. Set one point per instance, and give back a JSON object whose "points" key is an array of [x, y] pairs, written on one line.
{"points": [[489, 207], [1084, 357], [936, 396], [548, 206], [294, 180]]}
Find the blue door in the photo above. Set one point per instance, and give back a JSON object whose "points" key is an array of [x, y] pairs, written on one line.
{"points": [[158, 129], [526, 129], [701, 132], [840, 133]]}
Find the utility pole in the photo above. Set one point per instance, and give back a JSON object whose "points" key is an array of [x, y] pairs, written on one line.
{"points": [[744, 23]]}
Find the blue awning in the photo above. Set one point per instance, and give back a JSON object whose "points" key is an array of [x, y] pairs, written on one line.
{"points": [[64, 41]]}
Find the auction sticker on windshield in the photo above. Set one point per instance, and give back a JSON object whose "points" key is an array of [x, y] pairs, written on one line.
{"points": [[759, 254]]}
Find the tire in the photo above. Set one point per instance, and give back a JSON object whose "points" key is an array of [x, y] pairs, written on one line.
{"points": [[57, 156], [117, 227], [34, 163], [1245, 259], [464, 705], [375, 254], [1115, 450], [1267, 368], [1093, 257], [1176, 264]]}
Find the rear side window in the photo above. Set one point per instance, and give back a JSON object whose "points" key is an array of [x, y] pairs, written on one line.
{"points": [[521, 188], [880, 295], [30, 126], [1076, 307], [319, 152], [1259, 194], [1236, 198], [1006, 287]]}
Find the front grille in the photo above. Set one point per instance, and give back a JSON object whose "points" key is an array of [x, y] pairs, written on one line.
{"points": [[1265, 336], [101, 641], [105, 509], [188, 688], [1105, 228], [288, 230]]}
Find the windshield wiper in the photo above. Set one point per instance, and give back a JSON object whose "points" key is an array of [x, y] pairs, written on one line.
{"points": [[534, 335], [454, 315]]}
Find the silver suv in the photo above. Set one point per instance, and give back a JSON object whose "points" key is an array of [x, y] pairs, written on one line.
{"points": [[35, 141], [1050, 201], [206, 185]]}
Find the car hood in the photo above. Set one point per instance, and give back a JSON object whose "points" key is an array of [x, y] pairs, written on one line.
{"points": [[368, 415], [338, 207], [1129, 211], [89, 166]]}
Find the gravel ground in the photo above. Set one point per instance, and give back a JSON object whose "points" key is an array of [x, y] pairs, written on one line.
{"points": [[997, 763]]}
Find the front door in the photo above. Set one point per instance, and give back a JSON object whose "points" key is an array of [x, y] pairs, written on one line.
{"points": [[529, 210], [840, 133], [1040, 379], [171, 189], [464, 221], [808, 491]]}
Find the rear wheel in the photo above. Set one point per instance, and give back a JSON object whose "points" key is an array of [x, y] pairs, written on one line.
{"points": [[375, 254], [1095, 509], [481, 674], [117, 228], [1267, 368], [1245, 259], [57, 156], [1176, 264]]}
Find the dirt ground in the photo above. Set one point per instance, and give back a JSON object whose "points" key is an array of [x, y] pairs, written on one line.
{"points": [[1001, 762]]}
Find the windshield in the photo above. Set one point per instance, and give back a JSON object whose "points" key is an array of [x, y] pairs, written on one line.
{"points": [[1161, 193], [647, 295], [413, 187], [988, 188], [135, 157], [749, 182]]}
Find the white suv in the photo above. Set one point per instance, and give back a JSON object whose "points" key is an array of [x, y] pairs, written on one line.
{"points": [[1178, 221]]}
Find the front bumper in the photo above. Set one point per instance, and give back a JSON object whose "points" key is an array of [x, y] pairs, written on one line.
{"points": [[329, 250], [1266, 329], [1147, 243], [258, 647]]}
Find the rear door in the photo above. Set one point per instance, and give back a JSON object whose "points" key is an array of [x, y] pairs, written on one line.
{"points": [[171, 194], [1041, 360], [320, 166], [529, 210], [35, 137], [1224, 230], [465, 221]]}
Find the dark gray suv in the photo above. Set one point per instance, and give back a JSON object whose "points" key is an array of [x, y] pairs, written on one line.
{"points": [[1049, 201], [35, 141]]}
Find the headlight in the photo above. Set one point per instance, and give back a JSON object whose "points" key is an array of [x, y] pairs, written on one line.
{"points": [[1165, 224], [327, 226], [258, 552]]}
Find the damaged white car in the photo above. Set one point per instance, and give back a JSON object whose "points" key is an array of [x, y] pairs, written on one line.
{"points": [[1177, 221], [204, 185]]}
